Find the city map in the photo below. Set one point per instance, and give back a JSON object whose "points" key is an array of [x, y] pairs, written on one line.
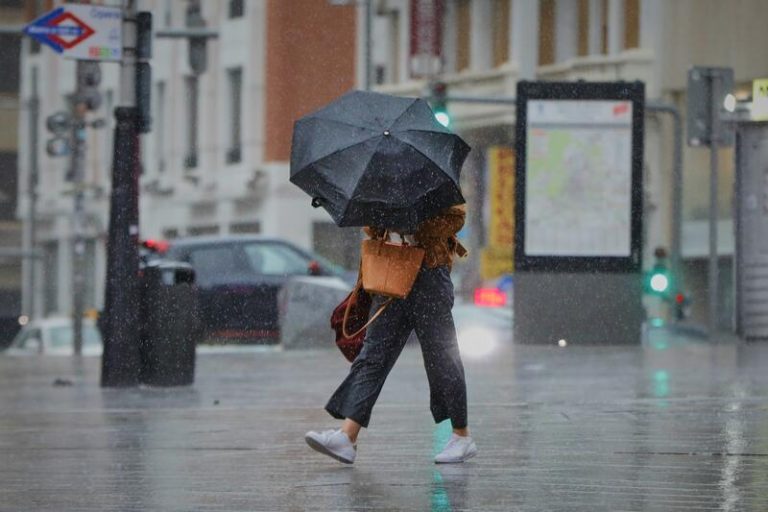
{"points": [[578, 178]]}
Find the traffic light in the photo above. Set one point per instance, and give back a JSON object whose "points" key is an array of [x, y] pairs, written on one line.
{"points": [[700, 99], [438, 97], [88, 81], [658, 281]]}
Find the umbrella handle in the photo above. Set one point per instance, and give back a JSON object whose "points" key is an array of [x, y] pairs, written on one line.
{"points": [[317, 202]]}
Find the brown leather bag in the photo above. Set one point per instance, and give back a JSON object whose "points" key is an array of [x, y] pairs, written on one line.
{"points": [[388, 268]]}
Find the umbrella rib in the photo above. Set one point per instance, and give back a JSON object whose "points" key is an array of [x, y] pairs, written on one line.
{"points": [[403, 112], [424, 155], [364, 168], [335, 152]]}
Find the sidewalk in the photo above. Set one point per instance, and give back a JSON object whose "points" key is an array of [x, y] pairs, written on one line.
{"points": [[678, 424]]}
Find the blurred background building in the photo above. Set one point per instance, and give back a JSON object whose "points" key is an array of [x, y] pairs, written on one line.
{"points": [[488, 45], [11, 13], [216, 161]]}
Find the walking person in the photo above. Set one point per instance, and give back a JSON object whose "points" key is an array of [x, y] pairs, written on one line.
{"points": [[427, 310]]}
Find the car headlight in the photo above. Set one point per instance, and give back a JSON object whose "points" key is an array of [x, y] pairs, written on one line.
{"points": [[477, 342]]}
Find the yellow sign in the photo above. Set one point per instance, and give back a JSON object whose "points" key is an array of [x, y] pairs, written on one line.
{"points": [[495, 262], [501, 188], [498, 257], [760, 99]]}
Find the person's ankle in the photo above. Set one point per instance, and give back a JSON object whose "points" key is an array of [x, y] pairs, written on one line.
{"points": [[461, 432], [352, 437]]}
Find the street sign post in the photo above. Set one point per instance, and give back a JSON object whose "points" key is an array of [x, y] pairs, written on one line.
{"points": [[85, 32]]}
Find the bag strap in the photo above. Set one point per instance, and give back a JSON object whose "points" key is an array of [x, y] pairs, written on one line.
{"points": [[376, 315]]}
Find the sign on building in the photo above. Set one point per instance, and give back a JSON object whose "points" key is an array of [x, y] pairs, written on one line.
{"points": [[426, 37], [498, 255], [79, 31]]}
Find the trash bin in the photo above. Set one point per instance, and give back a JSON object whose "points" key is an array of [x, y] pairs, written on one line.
{"points": [[169, 324]]}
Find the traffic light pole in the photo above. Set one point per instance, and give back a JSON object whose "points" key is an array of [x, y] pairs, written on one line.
{"points": [[120, 361], [77, 170], [714, 141]]}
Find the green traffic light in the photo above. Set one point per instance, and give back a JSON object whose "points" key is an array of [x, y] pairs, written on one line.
{"points": [[443, 118], [659, 282]]}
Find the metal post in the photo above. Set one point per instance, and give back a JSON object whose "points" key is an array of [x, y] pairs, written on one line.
{"points": [[120, 361], [714, 139], [77, 172], [677, 188], [34, 139]]}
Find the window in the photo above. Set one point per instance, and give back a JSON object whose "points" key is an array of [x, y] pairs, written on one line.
{"points": [[160, 126], [604, 26], [631, 23], [51, 278], [235, 78], [29, 340], [236, 8], [583, 31], [275, 260], [500, 31], [546, 32], [192, 97], [462, 34], [9, 60], [168, 13], [245, 228], [216, 265]]}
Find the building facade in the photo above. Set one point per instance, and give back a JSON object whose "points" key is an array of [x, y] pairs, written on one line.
{"points": [[216, 160], [12, 14], [488, 45]]}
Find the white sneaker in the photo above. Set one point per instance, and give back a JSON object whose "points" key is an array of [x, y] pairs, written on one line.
{"points": [[458, 449], [333, 443]]}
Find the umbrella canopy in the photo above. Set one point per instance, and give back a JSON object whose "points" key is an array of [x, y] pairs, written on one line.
{"points": [[372, 159]]}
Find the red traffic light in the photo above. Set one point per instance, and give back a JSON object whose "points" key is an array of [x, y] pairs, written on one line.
{"points": [[679, 298]]}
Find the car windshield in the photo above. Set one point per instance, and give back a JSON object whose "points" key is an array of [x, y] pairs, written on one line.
{"points": [[63, 336]]}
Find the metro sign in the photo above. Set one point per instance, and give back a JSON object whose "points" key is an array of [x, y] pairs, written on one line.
{"points": [[80, 31], [53, 27]]}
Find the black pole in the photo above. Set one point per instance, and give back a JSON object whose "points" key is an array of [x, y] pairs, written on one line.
{"points": [[120, 361]]}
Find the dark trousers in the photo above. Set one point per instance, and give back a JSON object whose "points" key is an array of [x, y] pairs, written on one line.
{"points": [[427, 309]]}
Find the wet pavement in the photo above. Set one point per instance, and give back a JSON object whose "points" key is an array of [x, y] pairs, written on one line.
{"points": [[677, 424]]}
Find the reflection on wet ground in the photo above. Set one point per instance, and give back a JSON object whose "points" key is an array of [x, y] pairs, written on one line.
{"points": [[673, 425]]}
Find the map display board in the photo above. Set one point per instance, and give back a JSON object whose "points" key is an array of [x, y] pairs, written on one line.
{"points": [[579, 189]]}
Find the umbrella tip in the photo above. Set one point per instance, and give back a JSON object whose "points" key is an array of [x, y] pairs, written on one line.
{"points": [[386, 133], [317, 202]]}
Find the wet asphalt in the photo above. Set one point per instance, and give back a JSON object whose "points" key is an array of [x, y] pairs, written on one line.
{"points": [[675, 424]]}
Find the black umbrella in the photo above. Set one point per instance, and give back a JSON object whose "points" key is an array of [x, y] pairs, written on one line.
{"points": [[377, 160]]}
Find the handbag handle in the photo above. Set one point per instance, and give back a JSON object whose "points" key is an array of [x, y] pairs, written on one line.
{"points": [[370, 320]]}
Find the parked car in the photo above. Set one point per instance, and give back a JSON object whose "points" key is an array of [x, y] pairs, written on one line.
{"points": [[239, 277], [55, 337]]}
